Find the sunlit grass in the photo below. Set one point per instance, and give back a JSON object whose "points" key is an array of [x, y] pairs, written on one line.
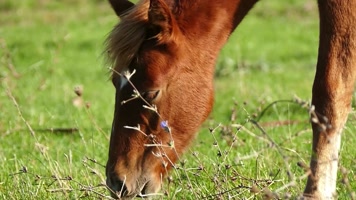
{"points": [[47, 48]]}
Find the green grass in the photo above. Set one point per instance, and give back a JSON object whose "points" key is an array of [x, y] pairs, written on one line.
{"points": [[50, 47]]}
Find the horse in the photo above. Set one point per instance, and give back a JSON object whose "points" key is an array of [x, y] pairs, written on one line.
{"points": [[163, 54]]}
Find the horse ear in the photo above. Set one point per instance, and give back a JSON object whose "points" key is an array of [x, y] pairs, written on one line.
{"points": [[120, 6], [161, 20]]}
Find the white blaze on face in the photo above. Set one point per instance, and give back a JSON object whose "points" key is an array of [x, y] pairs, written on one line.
{"points": [[123, 82], [126, 75]]}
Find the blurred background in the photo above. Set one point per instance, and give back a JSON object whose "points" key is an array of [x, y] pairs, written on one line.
{"points": [[56, 103]]}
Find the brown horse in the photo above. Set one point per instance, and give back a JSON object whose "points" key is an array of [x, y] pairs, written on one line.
{"points": [[163, 54]]}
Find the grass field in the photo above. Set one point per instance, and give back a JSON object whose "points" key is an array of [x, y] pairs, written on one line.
{"points": [[53, 144]]}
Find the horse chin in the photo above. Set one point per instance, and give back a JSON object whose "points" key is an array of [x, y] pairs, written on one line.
{"points": [[124, 195], [150, 189], [146, 190]]}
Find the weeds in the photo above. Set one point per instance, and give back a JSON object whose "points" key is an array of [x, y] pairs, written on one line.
{"points": [[254, 151], [222, 174]]}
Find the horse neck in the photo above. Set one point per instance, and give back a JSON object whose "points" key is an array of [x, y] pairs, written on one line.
{"points": [[208, 24]]}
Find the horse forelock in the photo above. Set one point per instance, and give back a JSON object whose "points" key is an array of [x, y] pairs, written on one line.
{"points": [[126, 38]]}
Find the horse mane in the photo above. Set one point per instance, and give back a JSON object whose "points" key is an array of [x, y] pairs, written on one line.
{"points": [[127, 37]]}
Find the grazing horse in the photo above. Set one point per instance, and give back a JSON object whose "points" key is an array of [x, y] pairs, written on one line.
{"points": [[163, 54]]}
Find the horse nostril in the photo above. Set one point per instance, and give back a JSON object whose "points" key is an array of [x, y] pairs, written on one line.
{"points": [[117, 187]]}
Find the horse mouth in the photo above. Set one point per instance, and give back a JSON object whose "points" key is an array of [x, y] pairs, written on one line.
{"points": [[142, 193], [122, 193], [145, 192]]}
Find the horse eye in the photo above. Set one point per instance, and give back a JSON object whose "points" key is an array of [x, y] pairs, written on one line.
{"points": [[150, 95]]}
